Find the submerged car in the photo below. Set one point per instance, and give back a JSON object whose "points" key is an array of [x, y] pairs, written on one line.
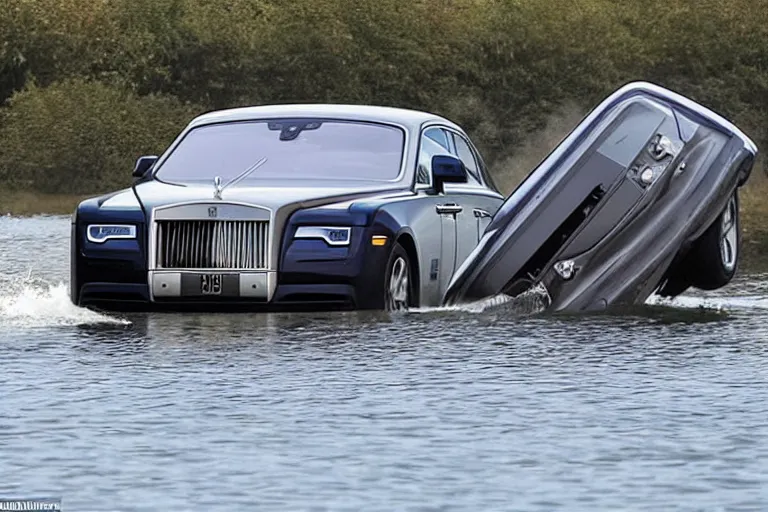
{"points": [[288, 206], [640, 198]]}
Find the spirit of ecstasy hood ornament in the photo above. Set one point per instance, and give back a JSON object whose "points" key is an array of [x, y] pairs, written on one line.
{"points": [[217, 180], [218, 187]]}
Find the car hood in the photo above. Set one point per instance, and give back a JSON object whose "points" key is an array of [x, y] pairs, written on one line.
{"points": [[282, 198], [279, 197]]}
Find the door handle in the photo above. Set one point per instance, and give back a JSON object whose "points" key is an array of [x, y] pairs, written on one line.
{"points": [[480, 213], [450, 208]]}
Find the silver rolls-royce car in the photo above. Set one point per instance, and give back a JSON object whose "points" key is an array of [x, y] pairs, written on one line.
{"points": [[272, 207]]}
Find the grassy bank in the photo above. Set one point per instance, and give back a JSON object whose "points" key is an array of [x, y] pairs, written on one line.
{"points": [[30, 203], [86, 87], [754, 222]]}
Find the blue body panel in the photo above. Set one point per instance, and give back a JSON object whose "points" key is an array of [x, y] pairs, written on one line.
{"points": [[115, 268]]}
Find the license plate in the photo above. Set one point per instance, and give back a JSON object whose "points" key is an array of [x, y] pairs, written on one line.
{"points": [[210, 284]]}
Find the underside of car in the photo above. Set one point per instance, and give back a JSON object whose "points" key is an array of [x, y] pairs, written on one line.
{"points": [[641, 197]]}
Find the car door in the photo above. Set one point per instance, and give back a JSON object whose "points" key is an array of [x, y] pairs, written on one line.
{"points": [[438, 261], [478, 201]]}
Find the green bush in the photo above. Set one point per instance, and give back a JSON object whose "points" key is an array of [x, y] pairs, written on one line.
{"points": [[504, 69], [82, 137]]}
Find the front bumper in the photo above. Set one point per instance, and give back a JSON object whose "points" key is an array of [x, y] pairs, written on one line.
{"points": [[287, 297], [312, 277], [199, 284], [304, 297]]}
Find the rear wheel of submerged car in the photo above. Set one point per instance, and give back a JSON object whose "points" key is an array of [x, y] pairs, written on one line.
{"points": [[398, 287], [713, 259], [716, 254]]}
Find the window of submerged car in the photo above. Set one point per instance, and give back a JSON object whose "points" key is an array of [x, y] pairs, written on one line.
{"points": [[297, 149]]}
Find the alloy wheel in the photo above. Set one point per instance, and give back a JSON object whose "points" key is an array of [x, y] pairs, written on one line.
{"points": [[729, 236], [397, 296]]}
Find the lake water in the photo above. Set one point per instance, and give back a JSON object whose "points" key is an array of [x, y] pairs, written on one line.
{"points": [[662, 408]]}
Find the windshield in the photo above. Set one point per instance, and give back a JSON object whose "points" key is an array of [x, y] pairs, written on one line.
{"points": [[293, 148]]}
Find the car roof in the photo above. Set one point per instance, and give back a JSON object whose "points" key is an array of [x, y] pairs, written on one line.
{"points": [[412, 119]]}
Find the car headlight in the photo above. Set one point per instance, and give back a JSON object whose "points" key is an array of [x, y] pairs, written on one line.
{"points": [[100, 233], [332, 235]]}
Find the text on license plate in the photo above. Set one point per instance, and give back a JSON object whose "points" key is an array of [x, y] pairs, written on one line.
{"points": [[210, 284]]}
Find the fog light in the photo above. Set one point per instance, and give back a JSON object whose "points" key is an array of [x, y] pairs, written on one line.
{"points": [[564, 269], [379, 240]]}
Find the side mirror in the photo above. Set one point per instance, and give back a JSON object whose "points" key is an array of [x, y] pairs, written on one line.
{"points": [[143, 164], [447, 169]]}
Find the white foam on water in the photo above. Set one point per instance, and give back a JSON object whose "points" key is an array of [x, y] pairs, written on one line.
{"points": [[715, 303], [529, 302], [30, 302], [537, 299], [469, 307]]}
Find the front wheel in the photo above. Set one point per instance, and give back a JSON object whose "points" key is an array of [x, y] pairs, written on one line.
{"points": [[397, 285]]}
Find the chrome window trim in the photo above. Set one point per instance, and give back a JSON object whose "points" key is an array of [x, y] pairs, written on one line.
{"points": [[478, 178], [482, 186], [453, 188], [423, 133]]}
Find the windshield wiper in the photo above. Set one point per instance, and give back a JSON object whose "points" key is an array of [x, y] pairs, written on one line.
{"points": [[239, 177]]}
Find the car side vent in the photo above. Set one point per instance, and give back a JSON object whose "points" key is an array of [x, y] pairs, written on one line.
{"points": [[550, 248]]}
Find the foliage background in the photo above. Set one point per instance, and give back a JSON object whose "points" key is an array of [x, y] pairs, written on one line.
{"points": [[86, 86]]}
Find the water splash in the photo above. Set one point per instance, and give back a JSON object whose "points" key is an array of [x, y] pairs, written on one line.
{"points": [[719, 304], [31, 302], [533, 301], [537, 299]]}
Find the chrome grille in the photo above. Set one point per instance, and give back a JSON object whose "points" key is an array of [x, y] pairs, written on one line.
{"points": [[225, 244]]}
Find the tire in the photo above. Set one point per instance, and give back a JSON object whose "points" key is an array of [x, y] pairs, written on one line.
{"points": [[674, 285], [398, 283], [716, 253], [712, 260]]}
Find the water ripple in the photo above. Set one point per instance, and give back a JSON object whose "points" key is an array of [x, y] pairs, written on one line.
{"points": [[484, 408]]}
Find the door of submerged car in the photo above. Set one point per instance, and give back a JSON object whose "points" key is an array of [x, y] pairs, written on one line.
{"points": [[464, 210]]}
